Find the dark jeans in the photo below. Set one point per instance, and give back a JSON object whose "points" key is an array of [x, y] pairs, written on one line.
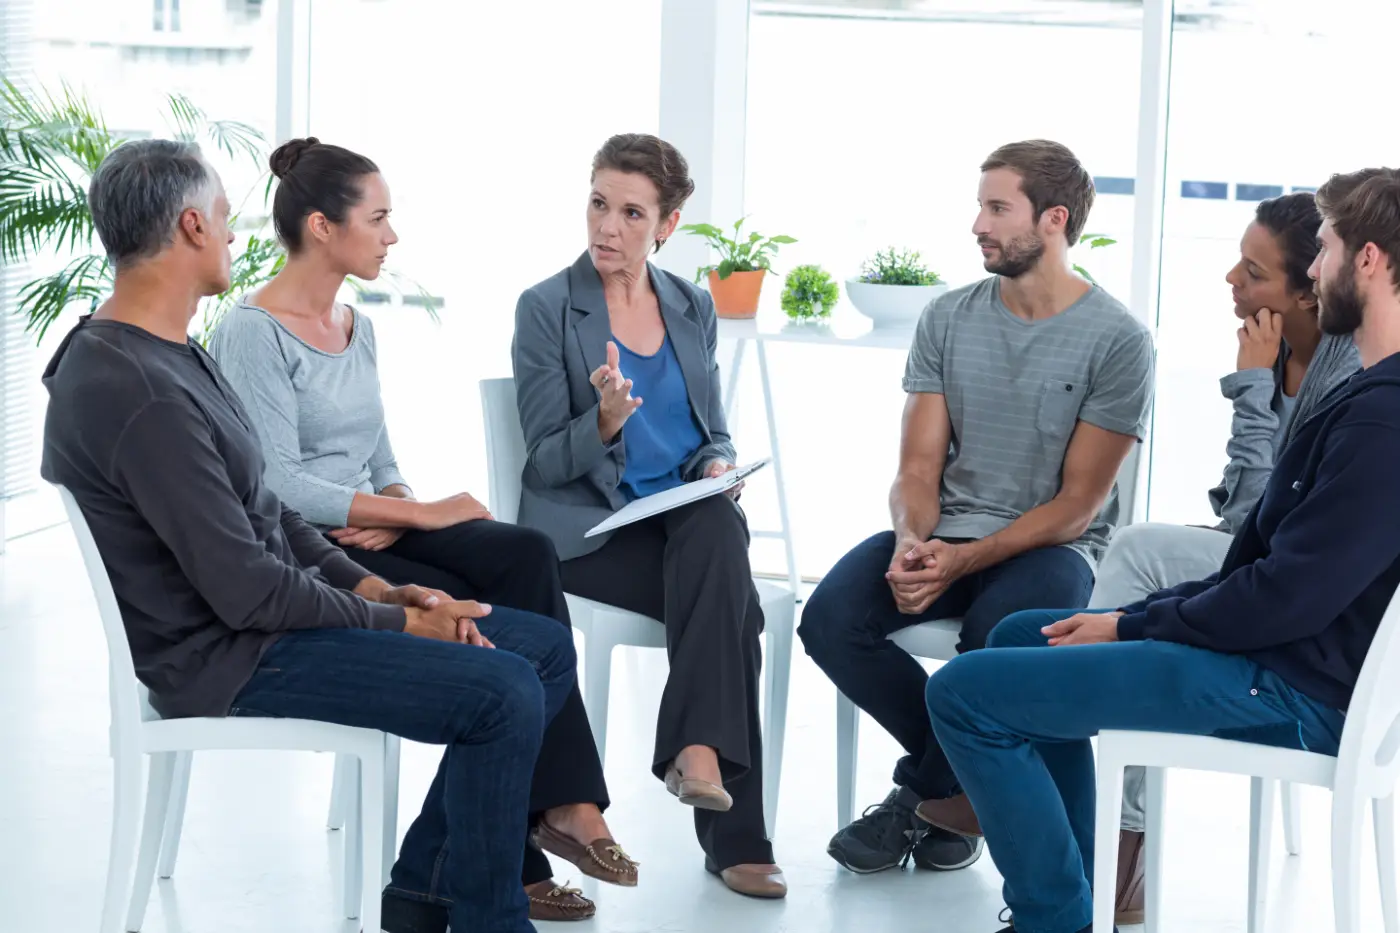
{"points": [[488, 707], [846, 622], [1016, 720], [689, 567], [506, 565]]}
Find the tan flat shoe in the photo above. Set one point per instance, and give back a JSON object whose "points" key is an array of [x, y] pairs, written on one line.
{"points": [[697, 793], [751, 880]]}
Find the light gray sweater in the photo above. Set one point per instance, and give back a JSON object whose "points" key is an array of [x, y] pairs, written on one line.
{"points": [[318, 415], [1262, 426]]}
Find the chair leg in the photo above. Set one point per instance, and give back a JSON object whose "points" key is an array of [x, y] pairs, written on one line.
{"points": [[777, 670], [597, 675], [847, 736], [158, 785], [1348, 816], [340, 793], [175, 819], [1108, 818], [1155, 826], [121, 856], [352, 838], [391, 803], [372, 822], [1383, 819], [1292, 819], [1262, 792]]}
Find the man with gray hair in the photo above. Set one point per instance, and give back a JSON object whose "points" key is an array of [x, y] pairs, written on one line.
{"points": [[234, 606]]}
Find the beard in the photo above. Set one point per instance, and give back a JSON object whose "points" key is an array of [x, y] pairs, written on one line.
{"points": [[1341, 309], [1017, 256]]}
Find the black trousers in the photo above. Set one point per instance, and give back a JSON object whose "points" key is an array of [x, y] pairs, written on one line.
{"points": [[515, 567], [690, 568]]}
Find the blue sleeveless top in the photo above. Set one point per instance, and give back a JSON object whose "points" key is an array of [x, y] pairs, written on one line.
{"points": [[661, 435]]}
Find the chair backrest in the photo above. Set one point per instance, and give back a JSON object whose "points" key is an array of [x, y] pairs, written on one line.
{"points": [[505, 448], [131, 701], [1370, 750]]}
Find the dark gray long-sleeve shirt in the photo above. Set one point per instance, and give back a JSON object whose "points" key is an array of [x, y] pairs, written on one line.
{"points": [[207, 565]]}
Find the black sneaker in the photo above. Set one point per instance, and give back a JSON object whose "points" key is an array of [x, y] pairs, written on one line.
{"points": [[883, 837], [941, 850], [401, 915]]}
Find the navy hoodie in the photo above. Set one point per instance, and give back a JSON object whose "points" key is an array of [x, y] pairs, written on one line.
{"points": [[1308, 578]]}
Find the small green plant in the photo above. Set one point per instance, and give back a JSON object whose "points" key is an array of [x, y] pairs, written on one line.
{"points": [[740, 254], [809, 292], [1095, 241], [897, 267]]}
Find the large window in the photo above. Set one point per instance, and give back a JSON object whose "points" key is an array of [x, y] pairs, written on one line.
{"points": [[1259, 106], [484, 118], [866, 127], [127, 58]]}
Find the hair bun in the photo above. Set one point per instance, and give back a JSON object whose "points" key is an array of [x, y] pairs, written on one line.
{"points": [[285, 157]]}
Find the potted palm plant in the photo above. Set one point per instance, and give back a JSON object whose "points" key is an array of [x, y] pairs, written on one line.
{"points": [[51, 143], [737, 279], [894, 287]]}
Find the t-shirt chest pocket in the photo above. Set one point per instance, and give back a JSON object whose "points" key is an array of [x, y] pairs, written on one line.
{"points": [[1058, 409]]}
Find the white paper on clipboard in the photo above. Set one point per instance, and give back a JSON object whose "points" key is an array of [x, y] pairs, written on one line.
{"points": [[638, 509]]}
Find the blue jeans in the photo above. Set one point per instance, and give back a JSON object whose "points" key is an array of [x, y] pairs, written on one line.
{"points": [[848, 618], [488, 707], [1015, 722]]}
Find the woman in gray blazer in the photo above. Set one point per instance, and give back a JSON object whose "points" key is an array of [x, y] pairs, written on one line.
{"points": [[619, 398]]}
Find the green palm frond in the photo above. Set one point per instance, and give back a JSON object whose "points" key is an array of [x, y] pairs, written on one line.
{"points": [[39, 210], [86, 278], [63, 126], [231, 137]]}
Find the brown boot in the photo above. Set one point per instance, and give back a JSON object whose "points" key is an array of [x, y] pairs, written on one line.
{"points": [[1132, 885]]}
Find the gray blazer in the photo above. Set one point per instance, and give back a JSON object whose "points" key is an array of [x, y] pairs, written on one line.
{"points": [[562, 329]]}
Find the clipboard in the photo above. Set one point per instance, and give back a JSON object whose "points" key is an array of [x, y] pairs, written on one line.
{"points": [[669, 499]]}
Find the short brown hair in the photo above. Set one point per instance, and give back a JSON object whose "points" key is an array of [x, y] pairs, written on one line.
{"points": [[1051, 176], [1364, 207], [658, 160]]}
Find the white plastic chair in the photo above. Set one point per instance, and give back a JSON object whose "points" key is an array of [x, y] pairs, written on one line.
{"points": [[605, 627], [937, 641], [138, 731], [1365, 770]]}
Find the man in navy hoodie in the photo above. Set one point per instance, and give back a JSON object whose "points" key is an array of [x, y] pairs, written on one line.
{"points": [[1267, 650]]}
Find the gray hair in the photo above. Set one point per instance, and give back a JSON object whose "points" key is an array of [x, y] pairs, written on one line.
{"points": [[139, 191]]}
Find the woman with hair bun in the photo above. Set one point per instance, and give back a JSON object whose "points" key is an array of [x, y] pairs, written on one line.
{"points": [[305, 368]]}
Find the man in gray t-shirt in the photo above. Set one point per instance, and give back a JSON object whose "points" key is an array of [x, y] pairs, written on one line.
{"points": [[1026, 392]]}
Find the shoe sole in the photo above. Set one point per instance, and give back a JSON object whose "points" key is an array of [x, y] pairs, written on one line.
{"points": [[832, 851], [976, 854]]}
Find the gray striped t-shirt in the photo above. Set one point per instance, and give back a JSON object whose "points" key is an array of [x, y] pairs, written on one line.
{"points": [[1016, 389]]}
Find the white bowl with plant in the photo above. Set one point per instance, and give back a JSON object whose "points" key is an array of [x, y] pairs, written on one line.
{"points": [[894, 287]]}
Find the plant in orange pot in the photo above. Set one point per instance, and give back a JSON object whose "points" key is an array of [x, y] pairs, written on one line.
{"points": [[737, 279]]}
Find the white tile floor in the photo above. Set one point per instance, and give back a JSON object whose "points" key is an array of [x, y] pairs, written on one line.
{"points": [[256, 855]]}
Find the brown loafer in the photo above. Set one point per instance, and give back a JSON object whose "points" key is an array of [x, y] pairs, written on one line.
{"points": [[1130, 902], [556, 902], [955, 814], [602, 859], [751, 880], [696, 793]]}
